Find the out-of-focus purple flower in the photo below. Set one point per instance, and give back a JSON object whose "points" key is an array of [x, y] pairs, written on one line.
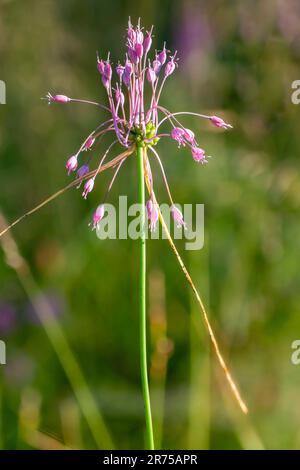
{"points": [[82, 171], [36, 308], [8, 318], [21, 369]]}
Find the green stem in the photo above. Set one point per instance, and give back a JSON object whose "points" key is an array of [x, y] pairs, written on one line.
{"points": [[142, 305]]}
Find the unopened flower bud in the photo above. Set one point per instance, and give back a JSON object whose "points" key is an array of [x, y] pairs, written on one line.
{"points": [[218, 122], [147, 43], [139, 50], [170, 67], [100, 66], [120, 70], [57, 98], [107, 70], [139, 36], [133, 55], [162, 56], [89, 143]]}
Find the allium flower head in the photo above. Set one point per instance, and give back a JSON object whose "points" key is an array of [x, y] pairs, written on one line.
{"points": [[132, 120]]}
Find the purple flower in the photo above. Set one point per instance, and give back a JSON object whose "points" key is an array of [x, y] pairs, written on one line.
{"points": [[120, 98], [147, 43], [152, 214], [170, 66], [82, 171], [98, 216], [89, 143], [178, 217], [137, 121], [178, 134], [151, 75], [57, 98], [88, 187], [218, 122], [156, 66], [198, 155], [162, 56], [71, 164], [189, 135]]}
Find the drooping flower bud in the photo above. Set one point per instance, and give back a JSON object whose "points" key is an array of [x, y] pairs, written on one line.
{"points": [[189, 135], [98, 216], [88, 187], [152, 214], [178, 134], [218, 122], [178, 217], [89, 143], [198, 155], [71, 164]]}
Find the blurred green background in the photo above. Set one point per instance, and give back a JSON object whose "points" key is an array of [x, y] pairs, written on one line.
{"points": [[68, 301]]}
